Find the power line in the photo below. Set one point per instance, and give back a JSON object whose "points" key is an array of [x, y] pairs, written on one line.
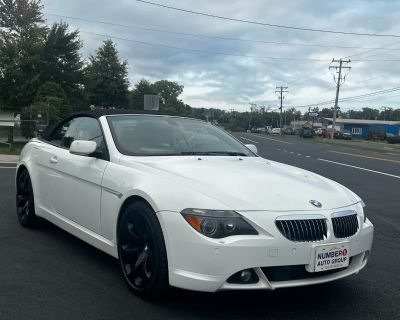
{"points": [[218, 37], [309, 75], [358, 82], [201, 50], [215, 52], [373, 94], [265, 24], [352, 98]]}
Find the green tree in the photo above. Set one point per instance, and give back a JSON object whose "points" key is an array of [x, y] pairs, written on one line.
{"points": [[50, 105], [169, 92], [292, 114], [21, 40], [136, 96], [354, 114], [52, 94], [370, 114], [328, 112], [106, 78], [60, 61]]}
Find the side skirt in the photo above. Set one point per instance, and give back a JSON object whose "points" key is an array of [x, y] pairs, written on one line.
{"points": [[80, 232]]}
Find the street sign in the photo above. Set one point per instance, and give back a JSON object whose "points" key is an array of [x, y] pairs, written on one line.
{"points": [[151, 102], [313, 114]]}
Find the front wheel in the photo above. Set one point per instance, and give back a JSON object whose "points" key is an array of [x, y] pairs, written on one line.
{"points": [[141, 251], [25, 201]]}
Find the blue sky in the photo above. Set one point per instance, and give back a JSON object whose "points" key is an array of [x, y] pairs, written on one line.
{"points": [[241, 73]]}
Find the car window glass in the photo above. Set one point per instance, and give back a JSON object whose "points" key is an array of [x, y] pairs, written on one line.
{"points": [[58, 135], [151, 136], [81, 128]]}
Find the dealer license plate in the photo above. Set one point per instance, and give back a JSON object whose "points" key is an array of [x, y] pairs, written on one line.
{"points": [[331, 256]]}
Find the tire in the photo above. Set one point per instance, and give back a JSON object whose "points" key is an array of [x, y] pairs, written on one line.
{"points": [[25, 201], [142, 253]]}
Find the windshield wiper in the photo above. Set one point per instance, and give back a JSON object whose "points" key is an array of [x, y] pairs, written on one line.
{"points": [[214, 153]]}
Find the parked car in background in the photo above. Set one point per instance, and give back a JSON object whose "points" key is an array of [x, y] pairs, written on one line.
{"points": [[306, 133], [326, 133], [392, 138], [319, 131], [346, 135], [276, 131], [288, 130], [375, 135]]}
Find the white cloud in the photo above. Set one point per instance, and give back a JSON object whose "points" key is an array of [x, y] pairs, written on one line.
{"points": [[233, 81]]}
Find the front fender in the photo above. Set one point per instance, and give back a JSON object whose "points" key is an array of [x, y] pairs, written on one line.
{"points": [[162, 192]]}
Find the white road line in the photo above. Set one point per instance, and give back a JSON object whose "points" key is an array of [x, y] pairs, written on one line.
{"points": [[291, 151], [359, 168], [263, 137], [249, 140], [8, 167], [284, 150], [307, 156], [299, 154]]}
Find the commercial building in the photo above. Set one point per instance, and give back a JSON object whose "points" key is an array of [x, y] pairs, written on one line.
{"points": [[361, 128]]}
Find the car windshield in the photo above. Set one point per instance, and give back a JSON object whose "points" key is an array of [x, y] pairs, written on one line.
{"points": [[140, 135]]}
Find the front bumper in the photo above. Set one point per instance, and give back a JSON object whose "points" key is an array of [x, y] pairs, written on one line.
{"points": [[204, 264]]}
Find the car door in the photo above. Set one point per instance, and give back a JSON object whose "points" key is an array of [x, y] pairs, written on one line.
{"points": [[74, 181]]}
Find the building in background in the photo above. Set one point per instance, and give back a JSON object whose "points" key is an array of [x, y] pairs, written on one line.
{"points": [[365, 128], [299, 124], [7, 122]]}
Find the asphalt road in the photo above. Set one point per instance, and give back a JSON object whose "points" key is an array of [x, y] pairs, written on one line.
{"points": [[48, 274]]}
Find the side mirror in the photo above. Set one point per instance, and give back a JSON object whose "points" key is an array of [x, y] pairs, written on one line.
{"points": [[252, 148], [82, 147]]}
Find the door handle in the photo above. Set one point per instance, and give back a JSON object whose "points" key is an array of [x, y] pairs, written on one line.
{"points": [[53, 159]]}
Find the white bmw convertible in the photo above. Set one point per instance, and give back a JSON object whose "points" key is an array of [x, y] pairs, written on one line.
{"points": [[180, 202]]}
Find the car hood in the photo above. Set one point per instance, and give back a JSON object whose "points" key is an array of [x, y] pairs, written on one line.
{"points": [[249, 183]]}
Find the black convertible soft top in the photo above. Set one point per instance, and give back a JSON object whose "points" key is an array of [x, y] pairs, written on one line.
{"points": [[107, 112]]}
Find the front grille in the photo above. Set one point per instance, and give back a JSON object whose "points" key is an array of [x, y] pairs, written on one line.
{"points": [[302, 230], [345, 225]]}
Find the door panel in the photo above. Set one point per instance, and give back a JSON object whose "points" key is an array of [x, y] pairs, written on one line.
{"points": [[73, 182], [76, 188], [41, 153]]}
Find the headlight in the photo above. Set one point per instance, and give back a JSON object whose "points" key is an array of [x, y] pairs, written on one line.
{"points": [[217, 223]]}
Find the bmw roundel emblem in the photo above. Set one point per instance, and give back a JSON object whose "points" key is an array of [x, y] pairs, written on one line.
{"points": [[316, 203]]}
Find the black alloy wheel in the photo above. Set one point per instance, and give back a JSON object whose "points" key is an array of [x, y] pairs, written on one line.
{"points": [[25, 201], [141, 251]]}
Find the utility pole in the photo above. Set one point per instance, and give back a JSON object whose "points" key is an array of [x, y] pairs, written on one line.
{"points": [[384, 112], [338, 66], [281, 90], [253, 107]]}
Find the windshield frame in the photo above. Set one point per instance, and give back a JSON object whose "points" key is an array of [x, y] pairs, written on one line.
{"points": [[125, 152]]}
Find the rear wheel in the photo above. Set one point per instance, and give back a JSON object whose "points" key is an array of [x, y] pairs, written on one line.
{"points": [[25, 201], [141, 251]]}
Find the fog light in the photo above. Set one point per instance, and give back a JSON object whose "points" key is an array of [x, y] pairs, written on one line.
{"points": [[246, 275]]}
